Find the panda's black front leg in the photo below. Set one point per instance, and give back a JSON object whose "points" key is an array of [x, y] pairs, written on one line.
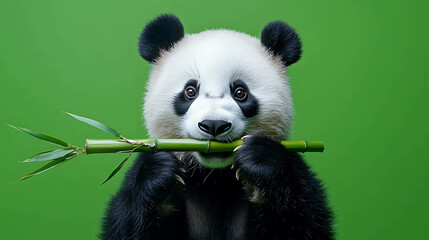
{"points": [[141, 210], [292, 203]]}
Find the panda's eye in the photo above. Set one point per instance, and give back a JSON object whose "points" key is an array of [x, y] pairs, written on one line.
{"points": [[190, 92], [240, 94]]}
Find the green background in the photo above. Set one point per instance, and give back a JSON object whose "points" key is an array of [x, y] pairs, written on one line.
{"points": [[361, 87]]}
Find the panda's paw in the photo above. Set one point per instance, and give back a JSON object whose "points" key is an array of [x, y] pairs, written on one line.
{"points": [[259, 159], [160, 174]]}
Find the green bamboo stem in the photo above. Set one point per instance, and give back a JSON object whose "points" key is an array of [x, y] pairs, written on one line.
{"points": [[59, 156], [183, 145]]}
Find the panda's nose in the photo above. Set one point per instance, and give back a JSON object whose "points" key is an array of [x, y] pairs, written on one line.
{"points": [[214, 127]]}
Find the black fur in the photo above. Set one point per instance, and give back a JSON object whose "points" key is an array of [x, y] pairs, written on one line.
{"points": [[181, 104], [282, 40], [134, 212], [214, 205], [250, 106], [160, 34]]}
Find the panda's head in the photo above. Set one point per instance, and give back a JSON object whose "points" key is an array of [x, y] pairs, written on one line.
{"points": [[217, 84]]}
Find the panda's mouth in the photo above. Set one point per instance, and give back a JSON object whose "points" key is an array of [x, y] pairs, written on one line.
{"points": [[218, 155], [216, 160]]}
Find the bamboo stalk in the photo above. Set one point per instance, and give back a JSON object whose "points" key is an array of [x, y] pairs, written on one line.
{"points": [[179, 145], [59, 156]]}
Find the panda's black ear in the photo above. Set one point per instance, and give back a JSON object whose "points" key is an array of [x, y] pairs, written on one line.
{"points": [[280, 39], [160, 34]]}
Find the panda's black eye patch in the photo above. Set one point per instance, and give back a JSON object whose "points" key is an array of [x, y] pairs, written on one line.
{"points": [[247, 102], [184, 99]]}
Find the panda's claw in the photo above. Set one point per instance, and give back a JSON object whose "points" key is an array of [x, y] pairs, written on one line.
{"points": [[237, 174], [245, 136], [232, 166], [182, 170], [180, 179], [177, 157], [237, 148]]}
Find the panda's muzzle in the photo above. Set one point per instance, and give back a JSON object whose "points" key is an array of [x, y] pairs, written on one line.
{"points": [[214, 127]]}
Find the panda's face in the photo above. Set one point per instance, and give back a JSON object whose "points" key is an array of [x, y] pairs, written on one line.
{"points": [[218, 85], [215, 111]]}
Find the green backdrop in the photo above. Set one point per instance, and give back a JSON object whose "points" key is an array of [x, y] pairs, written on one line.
{"points": [[361, 87]]}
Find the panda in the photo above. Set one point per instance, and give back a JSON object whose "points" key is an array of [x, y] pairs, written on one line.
{"points": [[219, 85]]}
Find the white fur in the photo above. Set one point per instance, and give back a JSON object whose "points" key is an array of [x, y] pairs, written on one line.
{"points": [[216, 58]]}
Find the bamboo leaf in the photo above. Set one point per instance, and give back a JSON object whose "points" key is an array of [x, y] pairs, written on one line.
{"points": [[117, 168], [45, 168], [96, 124], [42, 136], [50, 155]]}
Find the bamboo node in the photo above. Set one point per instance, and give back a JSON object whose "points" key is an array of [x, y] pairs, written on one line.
{"points": [[154, 144]]}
